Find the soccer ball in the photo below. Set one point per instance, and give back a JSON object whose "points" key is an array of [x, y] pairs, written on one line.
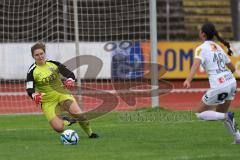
{"points": [[69, 137]]}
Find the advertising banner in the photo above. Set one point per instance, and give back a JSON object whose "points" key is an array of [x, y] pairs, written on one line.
{"points": [[123, 59], [178, 57]]}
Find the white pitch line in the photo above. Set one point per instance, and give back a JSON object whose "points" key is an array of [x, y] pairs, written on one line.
{"points": [[192, 90], [13, 93]]}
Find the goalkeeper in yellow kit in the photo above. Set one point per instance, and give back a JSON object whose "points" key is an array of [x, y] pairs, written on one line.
{"points": [[45, 87]]}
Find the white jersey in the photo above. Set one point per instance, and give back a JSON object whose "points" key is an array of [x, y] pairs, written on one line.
{"points": [[214, 60]]}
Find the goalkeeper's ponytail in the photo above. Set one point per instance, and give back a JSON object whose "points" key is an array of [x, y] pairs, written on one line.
{"points": [[209, 29]]}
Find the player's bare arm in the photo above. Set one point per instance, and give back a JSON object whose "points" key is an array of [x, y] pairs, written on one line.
{"points": [[193, 71]]}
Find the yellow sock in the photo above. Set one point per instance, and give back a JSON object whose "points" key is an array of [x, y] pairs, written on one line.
{"points": [[86, 127], [66, 123]]}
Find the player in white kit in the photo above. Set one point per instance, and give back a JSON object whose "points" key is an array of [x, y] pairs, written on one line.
{"points": [[216, 101]]}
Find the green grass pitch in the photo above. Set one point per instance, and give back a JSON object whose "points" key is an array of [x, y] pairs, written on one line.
{"points": [[138, 135]]}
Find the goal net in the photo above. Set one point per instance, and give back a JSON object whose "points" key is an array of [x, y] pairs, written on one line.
{"points": [[115, 33]]}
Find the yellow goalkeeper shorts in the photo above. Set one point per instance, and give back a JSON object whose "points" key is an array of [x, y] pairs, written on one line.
{"points": [[51, 109]]}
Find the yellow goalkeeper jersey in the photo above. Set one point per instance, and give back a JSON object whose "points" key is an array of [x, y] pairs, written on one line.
{"points": [[46, 79]]}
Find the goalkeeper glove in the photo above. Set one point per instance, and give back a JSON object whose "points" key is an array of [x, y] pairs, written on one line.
{"points": [[69, 83], [37, 97]]}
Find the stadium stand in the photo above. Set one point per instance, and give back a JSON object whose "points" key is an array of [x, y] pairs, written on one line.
{"points": [[218, 12], [176, 20]]}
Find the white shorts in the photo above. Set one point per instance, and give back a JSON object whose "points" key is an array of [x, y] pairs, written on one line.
{"points": [[215, 96]]}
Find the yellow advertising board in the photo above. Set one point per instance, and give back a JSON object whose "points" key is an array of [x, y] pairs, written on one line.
{"points": [[177, 57]]}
